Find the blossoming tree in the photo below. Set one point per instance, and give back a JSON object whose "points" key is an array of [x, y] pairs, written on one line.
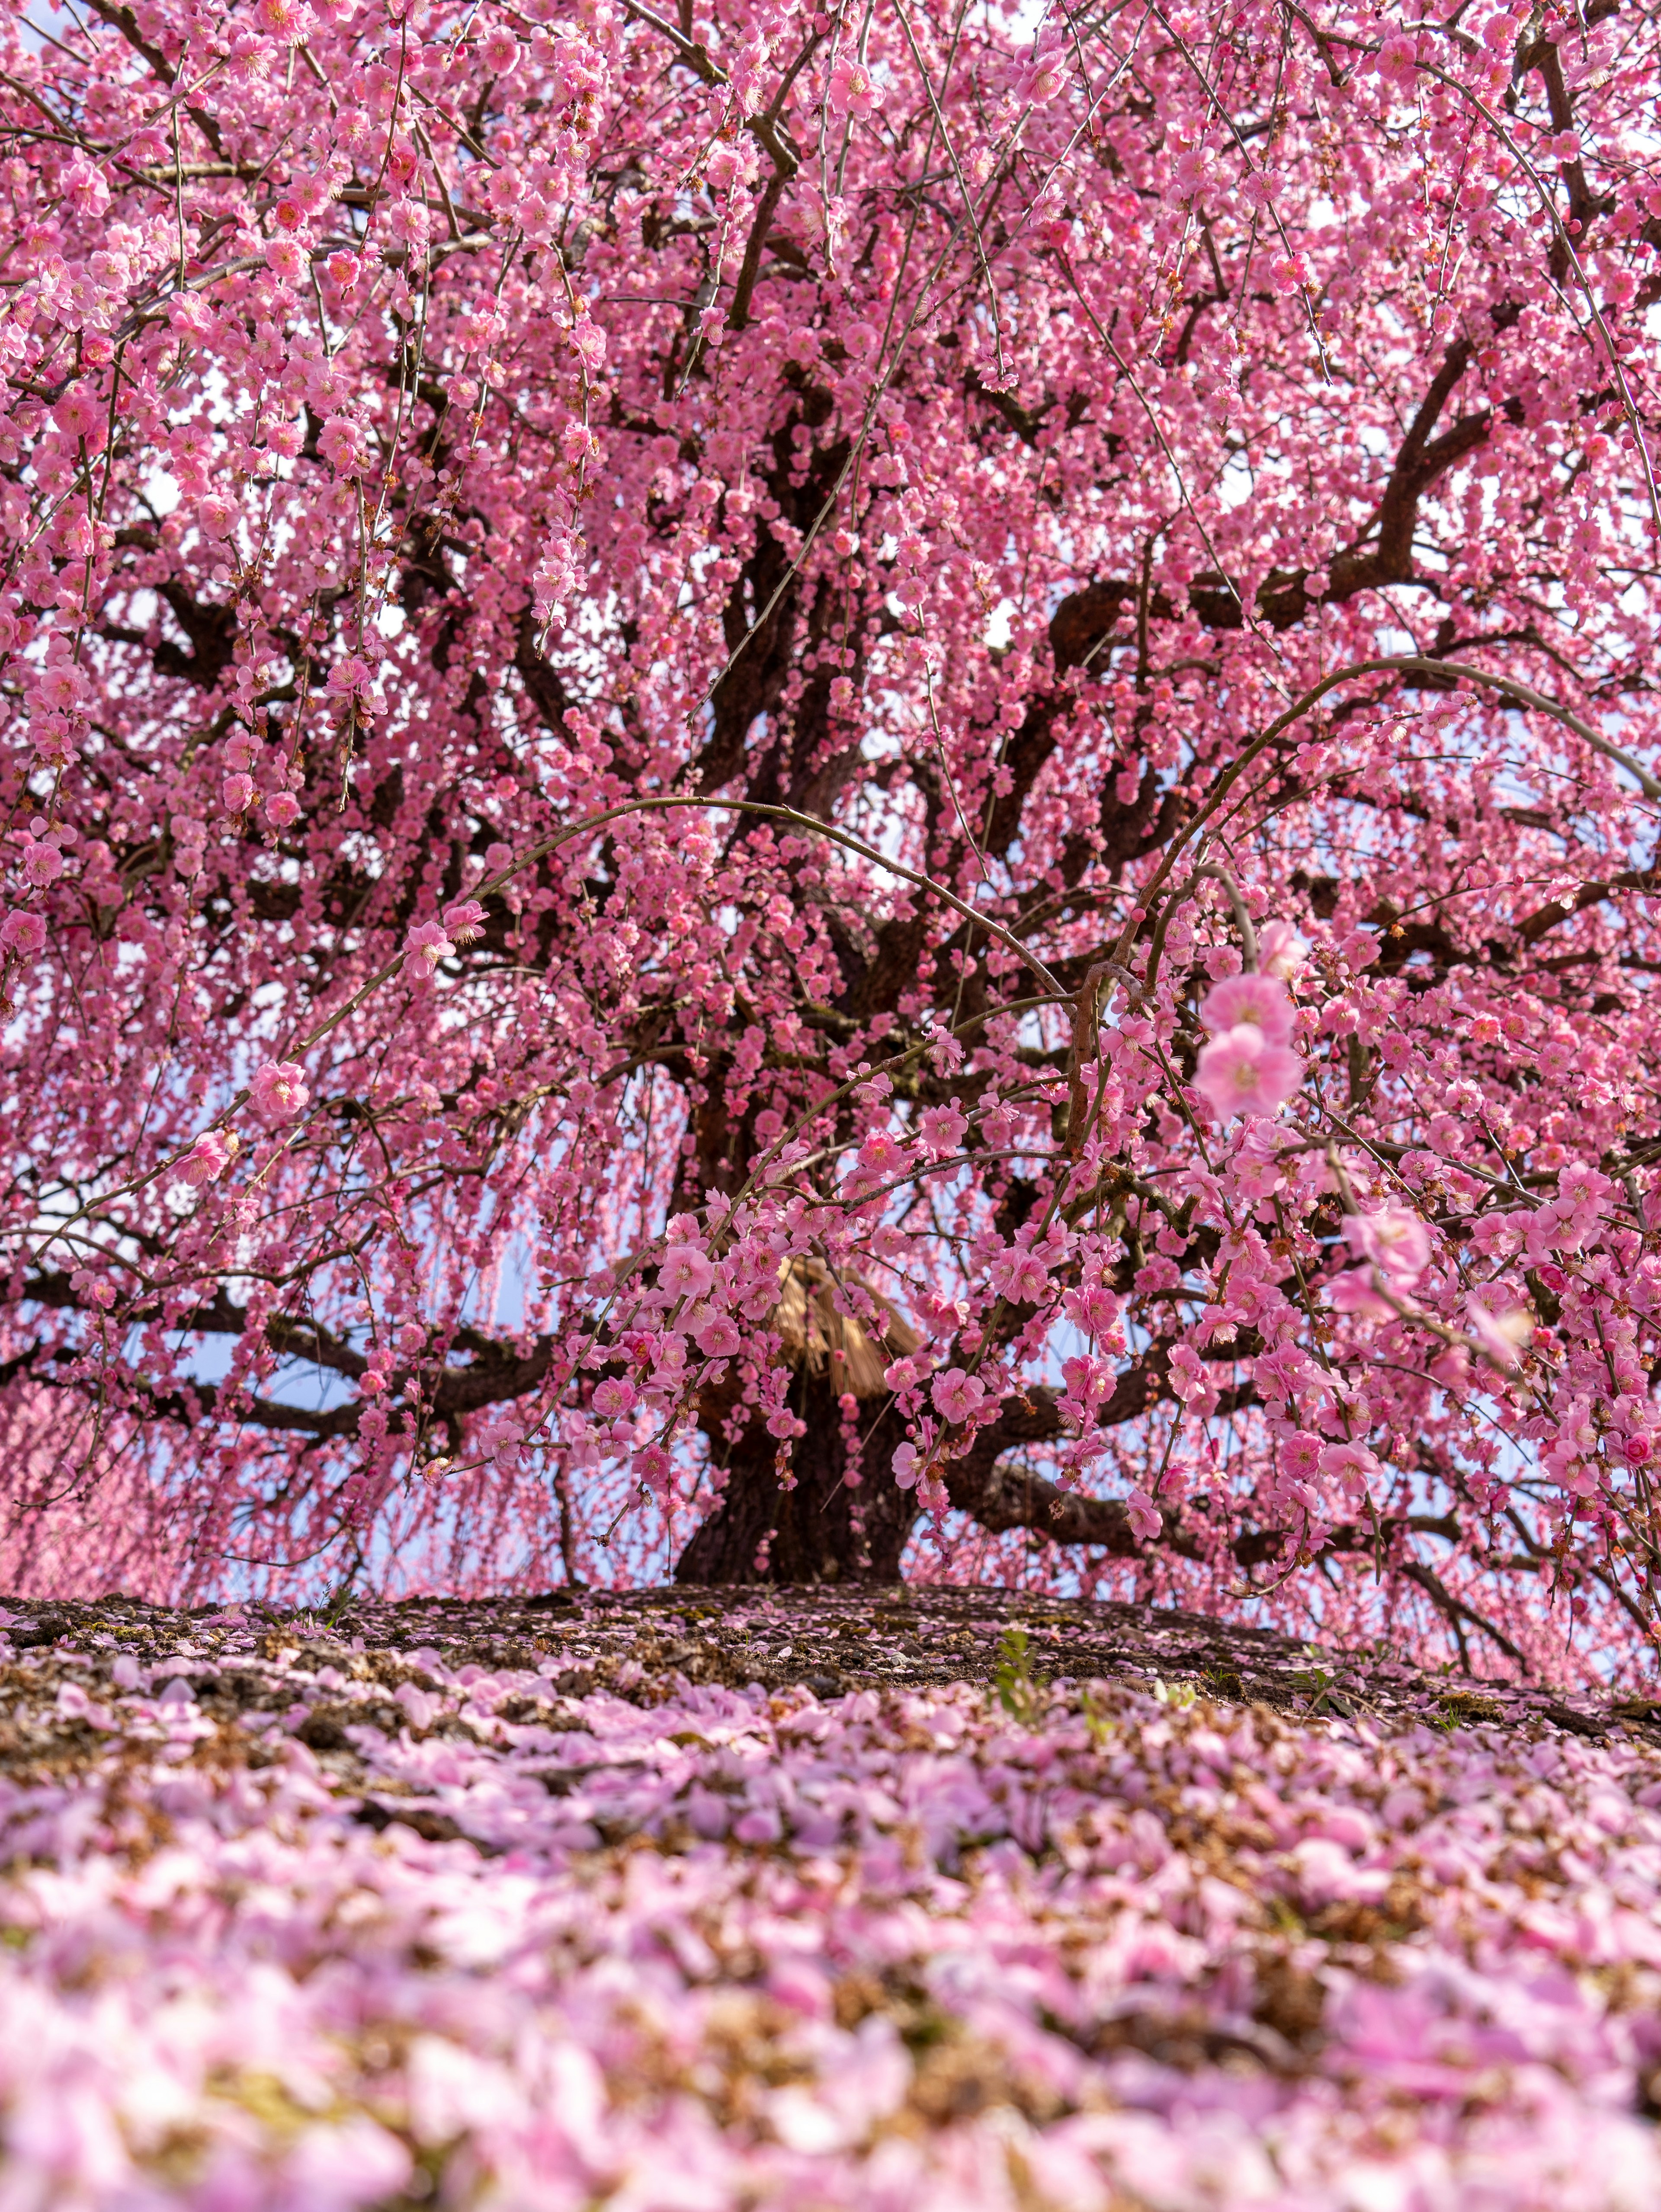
{"points": [[781, 783]]}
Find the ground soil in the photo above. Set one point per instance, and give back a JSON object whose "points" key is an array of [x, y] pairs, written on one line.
{"points": [[640, 1644]]}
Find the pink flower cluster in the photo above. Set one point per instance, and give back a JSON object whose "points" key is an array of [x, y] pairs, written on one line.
{"points": [[1248, 1067]]}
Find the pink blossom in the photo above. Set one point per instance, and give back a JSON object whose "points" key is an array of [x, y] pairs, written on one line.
{"points": [[78, 414], [685, 1271], [718, 1338], [237, 793], [425, 946], [881, 1152], [731, 166], [43, 863], [1095, 1309], [1499, 1322], [1145, 1516], [851, 90], [279, 1092], [1360, 949], [462, 920], [349, 677], [1019, 1275], [60, 688], [1241, 1071], [614, 1397], [1354, 1291], [282, 809], [908, 1466], [287, 19], [1395, 1241], [342, 443], [1282, 951], [1353, 1466], [654, 1466], [1255, 1000], [209, 1158], [958, 1396], [941, 1129], [22, 934], [1300, 1456]]}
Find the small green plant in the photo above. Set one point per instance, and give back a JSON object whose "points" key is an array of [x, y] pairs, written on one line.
{"points": [[1179, 1694], [1321, 1692], [1013, 1678], [331, 1612], [1460, 1708], [1099, 1720]]}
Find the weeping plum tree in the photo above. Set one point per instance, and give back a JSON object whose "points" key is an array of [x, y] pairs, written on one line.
{"points": [[781, 784]]}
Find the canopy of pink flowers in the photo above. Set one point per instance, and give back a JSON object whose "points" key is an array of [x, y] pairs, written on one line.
{"points": [[645, 650]]}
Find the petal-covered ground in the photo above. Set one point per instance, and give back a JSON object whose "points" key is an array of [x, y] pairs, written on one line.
{"points": [[456, 1906]]}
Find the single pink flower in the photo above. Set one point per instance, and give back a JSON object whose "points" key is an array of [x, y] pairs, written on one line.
{"points": [[718, 1338], [851, 90], [348, 677], [286, 19], [1395, 1241], [1282, 951], [685, 1271], [279, 1092], [78, 414], [1145, 1516], [881, 1153], [1351, 1465], [21, 934], [1355, 1292], [654, 1466], [1261, 1000], [425, 946], [1095, 1309], [286, 260], [958, 1396], [462, 920], [60, 688], [1243, 1072], [1300, 1456], [43, 863], [941, 1129], [209, 1158]]}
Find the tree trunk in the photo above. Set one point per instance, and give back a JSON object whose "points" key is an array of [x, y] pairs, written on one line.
{"points": [[819, 1531]]}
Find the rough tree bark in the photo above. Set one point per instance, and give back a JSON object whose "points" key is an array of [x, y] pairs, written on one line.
{"points": [[819, 1531]]}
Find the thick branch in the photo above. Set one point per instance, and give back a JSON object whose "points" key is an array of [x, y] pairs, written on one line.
{"points": [[1456, 1610], [496, 1373]]}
